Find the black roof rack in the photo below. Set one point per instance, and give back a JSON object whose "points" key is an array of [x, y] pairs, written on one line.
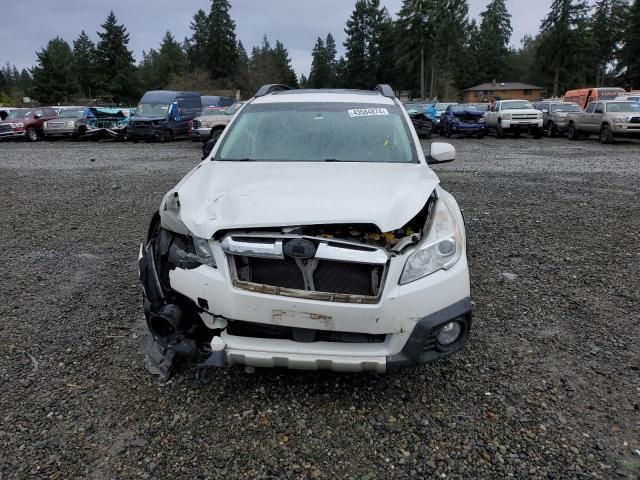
{"points": [[274, 87], [385, 90]]}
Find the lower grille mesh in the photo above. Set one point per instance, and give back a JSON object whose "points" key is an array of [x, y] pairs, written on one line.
{"points": [[278, 273], [337, 277], [328, 277]]}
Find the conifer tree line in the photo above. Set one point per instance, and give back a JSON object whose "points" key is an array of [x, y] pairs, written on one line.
{"points": [[430, 48]]}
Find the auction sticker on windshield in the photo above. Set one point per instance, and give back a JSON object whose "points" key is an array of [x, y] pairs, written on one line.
{"points": [[368, 112]]}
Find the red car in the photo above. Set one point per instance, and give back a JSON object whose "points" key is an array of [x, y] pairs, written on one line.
{"points": [[26, 123]]}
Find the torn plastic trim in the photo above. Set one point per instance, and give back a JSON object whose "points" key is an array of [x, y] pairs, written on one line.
{"points": [[164, 319], [170, 216], [271, 246]]}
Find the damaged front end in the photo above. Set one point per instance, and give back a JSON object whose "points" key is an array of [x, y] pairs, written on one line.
{"points": [[173, 320], [106, 123], [340, 264]]}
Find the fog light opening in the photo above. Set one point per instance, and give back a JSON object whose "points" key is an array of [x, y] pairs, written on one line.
{"points": [[449, 333]]}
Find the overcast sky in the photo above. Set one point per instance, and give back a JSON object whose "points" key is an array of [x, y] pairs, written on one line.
{"points": [[26, 26]]}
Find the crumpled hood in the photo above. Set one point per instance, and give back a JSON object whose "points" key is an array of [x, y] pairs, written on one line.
{"points": [[222, 195]]}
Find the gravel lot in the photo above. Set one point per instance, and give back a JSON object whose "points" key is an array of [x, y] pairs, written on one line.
{"points": [[549, 386]]}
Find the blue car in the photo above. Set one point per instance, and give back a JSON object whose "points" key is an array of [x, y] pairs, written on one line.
{"points": [[465, 120]]}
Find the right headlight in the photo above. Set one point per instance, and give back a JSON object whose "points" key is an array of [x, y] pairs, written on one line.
{"points": [[440, 250], [506, 116]]}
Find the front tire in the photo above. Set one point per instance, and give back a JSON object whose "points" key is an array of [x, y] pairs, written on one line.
{"points": [[537, 133], [32, 135], [499, 131], [572, 132], [606, 135], [553, 130]]}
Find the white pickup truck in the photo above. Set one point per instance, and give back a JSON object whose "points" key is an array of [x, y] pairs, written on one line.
{"points": [[516, 116]]}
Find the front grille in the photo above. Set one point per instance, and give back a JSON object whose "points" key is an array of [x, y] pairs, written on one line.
{"points": [[5, 128], [635, 120], [332, 271], [340, 277], [55, 124], [196, 124], [277, 273], [524, 117], [469, 119], [328, 277]]}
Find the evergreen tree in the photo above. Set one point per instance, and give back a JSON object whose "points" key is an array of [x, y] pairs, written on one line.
{"points": [[451, 30], [171, 60], [221, 53], [630, 55], [271, 65], [493, 42], [365, 45], [304, 82], [84, 57], [523, 65], [25, 82], [115, 66], [148, 71], [341, 80], [285, 72], [320, 76], [197, 44], [54, 78], [607, 29], [331, 51], [433, 42], [564, 43], [415, 33], [241, 77]]}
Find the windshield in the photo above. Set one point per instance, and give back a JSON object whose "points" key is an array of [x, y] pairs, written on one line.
{"points": [[565, 108], [443, 106], [317, 132], [623, 107], [72, 114], [519, 105], [152, 110], [20, 113]]}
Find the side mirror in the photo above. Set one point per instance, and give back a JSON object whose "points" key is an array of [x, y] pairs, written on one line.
{"points": [[441, 153], [37, 115]]}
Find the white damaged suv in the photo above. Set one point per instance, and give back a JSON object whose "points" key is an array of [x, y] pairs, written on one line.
{"points": [[314, 236]]}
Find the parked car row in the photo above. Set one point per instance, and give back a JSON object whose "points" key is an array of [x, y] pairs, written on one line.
{"points": [[614, 117], [160, 116], [93, 122]]}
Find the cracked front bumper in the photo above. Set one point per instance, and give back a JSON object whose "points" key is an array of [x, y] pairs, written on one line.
{"points": [[406, 319]]}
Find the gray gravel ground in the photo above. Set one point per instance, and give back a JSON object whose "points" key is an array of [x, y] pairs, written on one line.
{"points": [[549, 386]]}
